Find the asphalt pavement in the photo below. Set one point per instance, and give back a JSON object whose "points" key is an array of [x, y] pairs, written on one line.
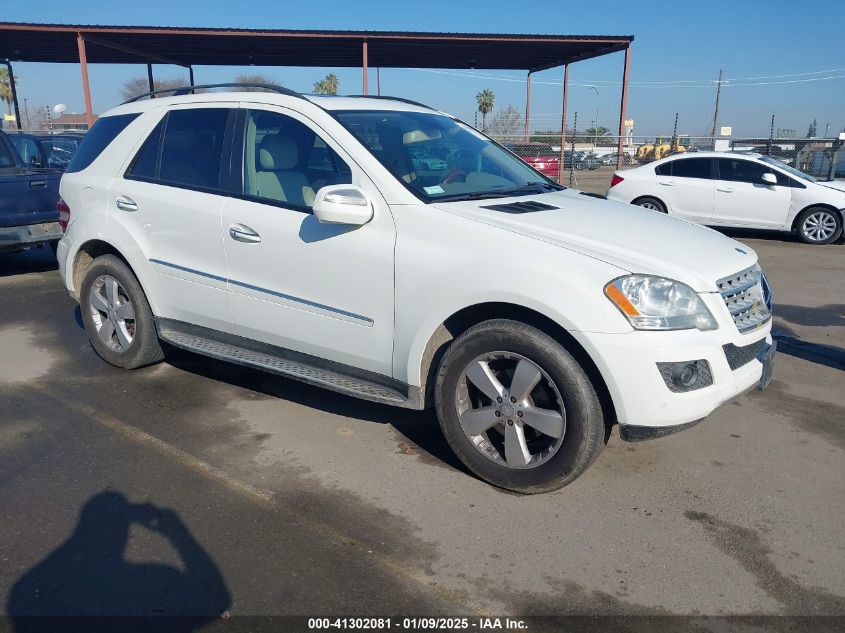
{"points": [[197, 488]]}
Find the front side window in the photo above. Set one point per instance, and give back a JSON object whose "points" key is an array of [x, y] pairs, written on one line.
{"points": [[105, 130], [286, 162], [440, 158], [739, 170], [691, 168], [787, 168]]}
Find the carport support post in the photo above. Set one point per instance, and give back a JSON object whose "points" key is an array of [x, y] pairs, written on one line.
{"points": [[623, 107], [364, 65], [150, 82], [563, 123], [527, 105], [14, 92], [86, 88]]}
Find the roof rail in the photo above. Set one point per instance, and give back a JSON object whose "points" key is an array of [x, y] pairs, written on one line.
{"points": [[183, 90], [402, 99]]}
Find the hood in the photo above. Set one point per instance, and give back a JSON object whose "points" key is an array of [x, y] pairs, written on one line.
{"points": [[838, 185], [631, 238]]}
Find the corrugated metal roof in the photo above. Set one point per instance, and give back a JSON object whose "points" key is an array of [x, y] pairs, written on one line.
{"points": [[286, 47]]}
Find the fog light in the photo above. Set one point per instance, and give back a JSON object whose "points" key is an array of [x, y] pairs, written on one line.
{"points": [[686, 376]]}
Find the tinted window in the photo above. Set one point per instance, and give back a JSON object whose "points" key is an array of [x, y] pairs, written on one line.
{"points": [[738, 170], [664, 169], [6, 159], [192, 147], [691, 168], [105, 130], [28, 149], [145, 164], [285, 161]]}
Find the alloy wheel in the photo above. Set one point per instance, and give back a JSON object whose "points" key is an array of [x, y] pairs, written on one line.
{"points": [[819, 226], [510, 409], [112, 313]]}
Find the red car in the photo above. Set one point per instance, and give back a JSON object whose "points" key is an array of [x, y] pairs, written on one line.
{"points": [[540, 156]]}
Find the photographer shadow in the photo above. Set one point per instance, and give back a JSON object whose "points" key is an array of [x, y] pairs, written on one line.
{"points": [[87, 584]]}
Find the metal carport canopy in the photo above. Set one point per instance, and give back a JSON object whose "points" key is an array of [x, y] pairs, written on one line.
{"points": [[188, 47], [277, 47]]}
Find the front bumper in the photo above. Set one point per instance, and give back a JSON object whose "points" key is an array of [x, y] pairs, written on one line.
{"points": [[14, 238], [645, 406]]}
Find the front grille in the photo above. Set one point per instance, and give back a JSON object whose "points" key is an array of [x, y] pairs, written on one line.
{"points": [[747, 297], [739, 356]]}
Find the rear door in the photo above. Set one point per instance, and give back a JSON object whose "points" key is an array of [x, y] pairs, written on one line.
{"points": [[168, 204], [687, 186], [743, 199], [27, 196]]}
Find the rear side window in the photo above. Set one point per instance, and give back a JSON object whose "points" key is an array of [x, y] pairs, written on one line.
{"points": [[6, 159], [105, 130], [691, 168], [185, 149]]}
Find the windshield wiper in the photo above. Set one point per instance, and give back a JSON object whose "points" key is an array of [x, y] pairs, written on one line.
{"points": [[528, 188]]}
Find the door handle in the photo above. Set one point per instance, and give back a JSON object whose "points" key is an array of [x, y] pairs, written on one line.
{"points": [[725, 189], [244, 233], [125, 204], [37, 183], [666, 184]]}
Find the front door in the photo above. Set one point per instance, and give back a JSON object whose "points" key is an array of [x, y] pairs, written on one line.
{"points": [[166, 209], [743, 199], [320, 289]]}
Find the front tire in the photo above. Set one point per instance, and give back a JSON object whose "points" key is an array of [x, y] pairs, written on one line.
{"points": [[117, 316], [819, 225], [517, 408]]}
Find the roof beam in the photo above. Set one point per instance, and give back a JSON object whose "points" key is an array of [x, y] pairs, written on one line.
{"points": [[132, 51], [579, 58]]}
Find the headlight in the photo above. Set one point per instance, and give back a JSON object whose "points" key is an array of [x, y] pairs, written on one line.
{"points": [[657, 303]]}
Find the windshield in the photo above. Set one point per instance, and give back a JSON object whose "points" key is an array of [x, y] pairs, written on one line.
{"points": [[790, 170], [439, 158]]}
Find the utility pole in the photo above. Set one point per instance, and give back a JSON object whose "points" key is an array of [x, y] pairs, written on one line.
{"points": [[716, 112]]}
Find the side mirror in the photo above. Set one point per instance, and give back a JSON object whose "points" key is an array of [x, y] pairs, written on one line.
{"points": [[342, 204], [770, 179], [35, 161]]}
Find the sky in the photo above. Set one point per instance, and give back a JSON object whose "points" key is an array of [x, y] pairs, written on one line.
{"points": [[792, 53]]}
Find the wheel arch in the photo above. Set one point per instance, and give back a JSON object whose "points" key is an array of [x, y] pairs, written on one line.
{"points": [[87, 253], [465, 318], [817, 205]]}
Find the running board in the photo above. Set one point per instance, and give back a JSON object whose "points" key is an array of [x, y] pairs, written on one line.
{"points": [[302, 367]]}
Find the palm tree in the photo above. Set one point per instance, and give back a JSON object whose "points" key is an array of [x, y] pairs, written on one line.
{"points": [[327, 86], [485, 100], [6, 89]]}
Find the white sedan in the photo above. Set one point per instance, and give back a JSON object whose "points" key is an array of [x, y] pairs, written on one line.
{"points": [[738, 190]]}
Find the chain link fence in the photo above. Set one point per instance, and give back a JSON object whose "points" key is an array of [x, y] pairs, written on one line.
{"points": [[588, 162]]}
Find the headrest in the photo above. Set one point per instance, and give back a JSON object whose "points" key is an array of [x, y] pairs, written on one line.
{"points": [[277, 152]]}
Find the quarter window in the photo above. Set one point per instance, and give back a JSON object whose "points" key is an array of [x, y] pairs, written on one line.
{"points": [[145, 164], [286, 162], [105, 130]]}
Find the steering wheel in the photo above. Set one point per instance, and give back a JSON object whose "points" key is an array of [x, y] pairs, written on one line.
{"points": [[452, 175]]}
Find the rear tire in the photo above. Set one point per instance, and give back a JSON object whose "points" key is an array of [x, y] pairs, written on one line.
{"points": [[117, 316], [819, 225], [542, 387], [650, 203]]}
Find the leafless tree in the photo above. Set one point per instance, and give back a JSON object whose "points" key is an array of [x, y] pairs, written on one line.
{"points": [[139, 85], [254, 78], [507, 122]]}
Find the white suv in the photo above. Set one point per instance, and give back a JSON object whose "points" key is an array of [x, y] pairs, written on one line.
{"points": [[296, 234]]}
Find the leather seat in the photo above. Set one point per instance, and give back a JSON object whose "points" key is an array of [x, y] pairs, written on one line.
{"points": [[277, 175]]}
